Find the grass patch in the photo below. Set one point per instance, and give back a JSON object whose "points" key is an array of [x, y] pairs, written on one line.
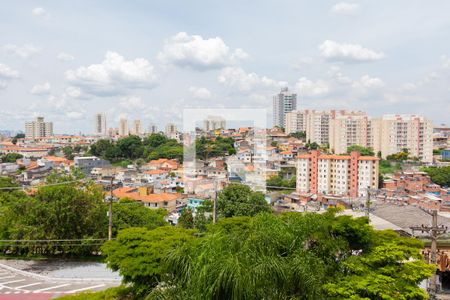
{"points": [[115, 293]]}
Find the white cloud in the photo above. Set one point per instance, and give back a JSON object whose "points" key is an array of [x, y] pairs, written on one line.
{"points": [[132, 103], [348, 52], [62, 56], [309, 88], [369, 82], [8, 73], [73, 92], [236, 77], [3, 85], [41, 89], [200, 92], [345, 8], [24, 51], [445, 61], [115, 75], [196, 52], [75, 115], [56, 102], [40, 12], [335, 73]]}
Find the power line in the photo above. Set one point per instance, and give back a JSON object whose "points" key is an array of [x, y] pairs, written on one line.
{"points": [[40, 186], [63, 240]]}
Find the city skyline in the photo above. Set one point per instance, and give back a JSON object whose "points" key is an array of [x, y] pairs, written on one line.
{"points": [[152, 68]]}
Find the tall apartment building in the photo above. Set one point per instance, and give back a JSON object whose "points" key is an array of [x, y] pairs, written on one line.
{"points": [[38, 128], [283, 103], [338, 175], [394, 133], [213, 123], [152, 128], [123, 127], [171, 129], [295, 121], [100, 124], [136, 129], [349, 128]]}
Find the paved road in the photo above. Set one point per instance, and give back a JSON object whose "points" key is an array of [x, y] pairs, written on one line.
{"points": [[17, 284]]}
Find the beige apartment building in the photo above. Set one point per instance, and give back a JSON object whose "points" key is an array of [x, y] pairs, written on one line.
{"points": [[389, 134], [38, 128], [349, 128], [123, 127], [136, 129], [393, 133]]}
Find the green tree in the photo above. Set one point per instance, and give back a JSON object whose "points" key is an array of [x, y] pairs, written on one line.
{"points": [[186, 219], [68, 152], [239, 200], [11, 157], [128, 213], [362, 150], [139, 254], [130, 147], [301, 135], [439, 175]]}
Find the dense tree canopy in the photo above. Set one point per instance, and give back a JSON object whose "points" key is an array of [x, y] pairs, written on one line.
{"points": [[362, 150], [65, 212], [11, 157], [301, 135], [290, 256], [439, 175], [219, 146], [239, 200], [133, 148]]}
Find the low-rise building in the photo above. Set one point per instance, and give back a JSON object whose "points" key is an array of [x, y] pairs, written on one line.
{"points": [[149, 199]]}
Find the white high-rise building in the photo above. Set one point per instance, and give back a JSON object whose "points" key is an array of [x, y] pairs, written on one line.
{"points": [[100, 124], [136, 129], [296, 121], [38, 128], [123, 127], [283, 103], [213, 123]]}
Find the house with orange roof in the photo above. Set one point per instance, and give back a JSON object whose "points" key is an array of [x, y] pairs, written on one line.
{"points": [[153, 175], [148, 198]]}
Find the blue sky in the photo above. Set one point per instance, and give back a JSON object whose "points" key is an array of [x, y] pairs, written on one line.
{"points": [[67, 60]]}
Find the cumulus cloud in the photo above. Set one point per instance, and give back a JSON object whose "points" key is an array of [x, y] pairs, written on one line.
{"points": [[115, 75], [348, 52], [41, 89], [62, 56], [75, 115], [345, 8], [369, 82], [309, 88], [40, 12], [57, 102], [445, 61], [24, 51], [73, 92], [198, 53], [8, 73], [132, 103], [200, 92], [236, 77]]}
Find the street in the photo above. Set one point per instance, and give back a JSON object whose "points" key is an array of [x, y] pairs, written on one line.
{"points": [[17, 284]]}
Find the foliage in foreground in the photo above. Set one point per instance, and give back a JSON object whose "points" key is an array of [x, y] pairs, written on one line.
{"points": [[290, 256], [64, 212], [115, 293]]}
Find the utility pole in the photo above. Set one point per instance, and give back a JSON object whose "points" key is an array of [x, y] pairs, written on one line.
{"points": [[368, 204], [110, 210], [434, 231], [215, 202]]}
